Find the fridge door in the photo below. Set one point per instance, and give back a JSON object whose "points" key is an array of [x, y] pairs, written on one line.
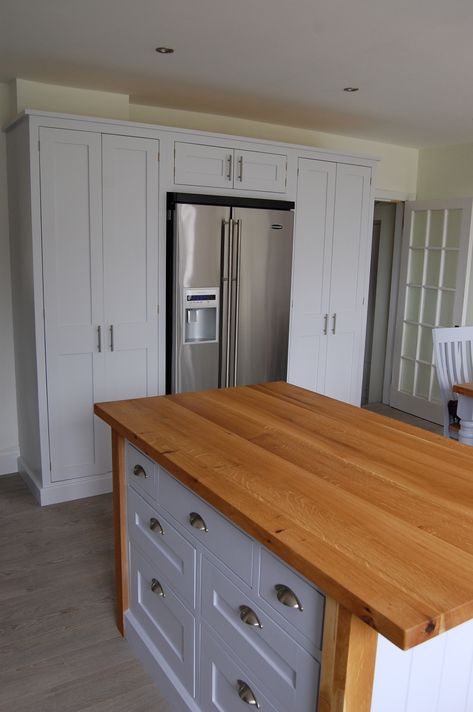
{"points": [[261, 282], [201, 247]]}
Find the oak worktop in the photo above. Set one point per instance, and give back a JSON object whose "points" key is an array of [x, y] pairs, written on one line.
{"points": [[376, 513]]}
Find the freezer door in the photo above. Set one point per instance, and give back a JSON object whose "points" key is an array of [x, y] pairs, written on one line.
{"points": [[261, 287], [200, 249]]}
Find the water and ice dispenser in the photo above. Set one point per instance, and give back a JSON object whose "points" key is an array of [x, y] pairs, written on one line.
{"points": [[201, 314]]}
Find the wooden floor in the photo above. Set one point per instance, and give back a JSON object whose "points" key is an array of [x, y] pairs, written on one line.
{"points": [[383, 409], [59, 648]]}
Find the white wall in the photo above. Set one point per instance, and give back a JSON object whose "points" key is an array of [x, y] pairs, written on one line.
{"points": [[445, 172], [8, 422]]}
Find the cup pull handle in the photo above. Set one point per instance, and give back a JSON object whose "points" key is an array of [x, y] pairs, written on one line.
{"points": [[155, 525], [157, 588], [249, 617], [196, 521], [287, 597], [139, 471], [245, 693]]}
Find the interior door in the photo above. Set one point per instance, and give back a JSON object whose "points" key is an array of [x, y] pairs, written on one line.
{"points": [[348, 277], [311, 273], [262, 278], [71, 217], [130, 243], [434, 265]]}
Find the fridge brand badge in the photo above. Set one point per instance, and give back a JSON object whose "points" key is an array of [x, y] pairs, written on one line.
{"points": [[276, 226]]}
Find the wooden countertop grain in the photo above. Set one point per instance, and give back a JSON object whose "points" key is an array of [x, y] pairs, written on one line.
{"points": [[376, 513]]}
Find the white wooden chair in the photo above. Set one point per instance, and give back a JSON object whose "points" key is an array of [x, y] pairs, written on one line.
{"points": [[453, 348]]}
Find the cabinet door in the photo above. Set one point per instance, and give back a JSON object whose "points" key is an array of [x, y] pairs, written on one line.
{"points": [[311, 273], [210, 166], [71, 215], [260, 171], [130, 243], [348, 280]]}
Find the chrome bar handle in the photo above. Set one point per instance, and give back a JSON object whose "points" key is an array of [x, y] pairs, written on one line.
{"points": [[325, 324], [229, 304], [196, 521], [287, 597], [139, 471], [229, 162], [157, 588], [99, 339], [240, 163], [248, 616], [112, 342], [245, 693], [155, 525], [334, 323], [237, 299]]}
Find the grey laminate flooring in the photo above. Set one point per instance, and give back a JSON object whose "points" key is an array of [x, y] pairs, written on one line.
{"points": [[59, 648], [383, 409]]}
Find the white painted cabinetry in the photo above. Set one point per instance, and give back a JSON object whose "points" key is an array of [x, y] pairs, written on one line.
{"points": [[221, 167], [331, 259]]}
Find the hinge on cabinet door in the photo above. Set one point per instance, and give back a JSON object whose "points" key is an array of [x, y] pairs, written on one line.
{"points": [[157, 157], [39, 145], [157, 309], [371, 180]]}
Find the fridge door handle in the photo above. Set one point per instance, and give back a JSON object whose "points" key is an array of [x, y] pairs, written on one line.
{"points": [[227, 305], [237, 298]]}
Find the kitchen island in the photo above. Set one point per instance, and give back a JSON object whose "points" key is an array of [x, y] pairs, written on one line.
{"points": [[375, 515]]}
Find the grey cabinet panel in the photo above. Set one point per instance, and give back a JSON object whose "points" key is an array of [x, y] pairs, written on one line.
{"points": [[163, 545], [287, 672]]}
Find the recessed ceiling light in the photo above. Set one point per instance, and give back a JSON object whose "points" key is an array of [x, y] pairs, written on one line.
{"points": [[164, 50], [351, 89]]}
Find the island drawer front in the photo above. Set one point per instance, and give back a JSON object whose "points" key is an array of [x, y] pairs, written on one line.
{"points": [[173, 555], [284, 668], [170, 626], [308, 621], [142, 473], [220, 674], [222, 538]]}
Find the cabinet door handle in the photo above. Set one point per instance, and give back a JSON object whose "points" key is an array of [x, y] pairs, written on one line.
{"points": [[334, 323], [240, 163], [155, 524], [140, 471], [245, 693], [112, 344], [287, 597], [325, 324], [249, 617], [230, 161], [99, 339], [157, 588], [196, 521]]}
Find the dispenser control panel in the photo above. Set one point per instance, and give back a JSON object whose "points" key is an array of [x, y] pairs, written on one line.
{"points": [[201, 315]]}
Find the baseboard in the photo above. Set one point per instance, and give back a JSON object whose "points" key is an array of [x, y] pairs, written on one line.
{"points": [[8, 460], [157, 668], [64, 491]]}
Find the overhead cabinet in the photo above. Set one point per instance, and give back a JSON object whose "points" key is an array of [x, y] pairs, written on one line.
{"points": [[331, 257], [98, 269], [196, 164]]}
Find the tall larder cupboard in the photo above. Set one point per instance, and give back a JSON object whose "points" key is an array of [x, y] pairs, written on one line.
{"points": [[87, 205]]}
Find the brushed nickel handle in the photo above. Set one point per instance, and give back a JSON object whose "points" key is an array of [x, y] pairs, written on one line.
{"points": [[287, 597], [249, 617], [139, 471], [325, 324], [196, 521], [245, 693], [230, 161], [99, 339], [157, 588], [237, 298], [155, 524], [240, 163], [334, 323], [112, 340]]}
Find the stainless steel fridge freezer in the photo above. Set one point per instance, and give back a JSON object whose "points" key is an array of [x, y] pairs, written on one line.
{"points": [[228, 295]]}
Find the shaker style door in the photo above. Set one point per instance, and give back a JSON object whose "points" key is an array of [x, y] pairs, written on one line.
{"points": [[255, 170], [209, 166], [71, 215], [130, 274], [311, 274], [348, 277]]}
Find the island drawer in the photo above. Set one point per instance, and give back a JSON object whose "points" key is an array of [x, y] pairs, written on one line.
{"points": [[292, 596], [225, 684], [168, 623], [142, 473], [207, 526], [160, 541], [284, 667]]}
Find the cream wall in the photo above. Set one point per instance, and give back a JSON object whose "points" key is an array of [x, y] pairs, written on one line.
{"points": [[8, 425], [445, 172]]}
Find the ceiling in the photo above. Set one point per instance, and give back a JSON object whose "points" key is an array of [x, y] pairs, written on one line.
{"points": [[282, 61]]}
